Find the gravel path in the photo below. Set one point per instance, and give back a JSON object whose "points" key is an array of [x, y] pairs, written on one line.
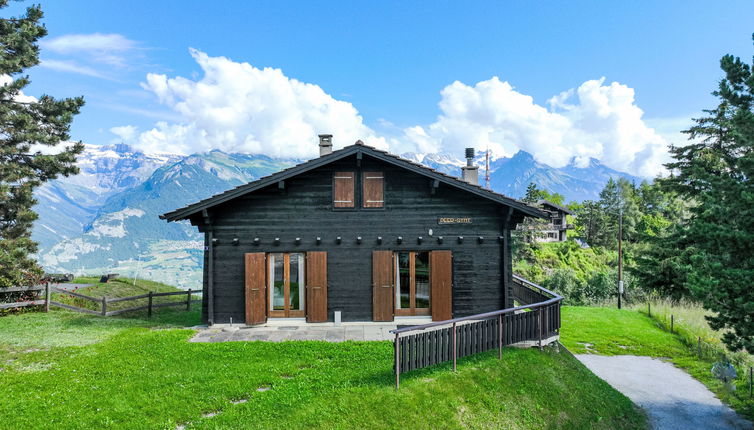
{"points": [[68, 286], [672, 399]]}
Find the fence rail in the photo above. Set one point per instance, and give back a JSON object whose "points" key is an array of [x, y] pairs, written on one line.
{"points": [[103, 302], [424, 345], [21, 304]]}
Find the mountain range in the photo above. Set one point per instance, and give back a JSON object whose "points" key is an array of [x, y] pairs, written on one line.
{"points": [[105, 219]]}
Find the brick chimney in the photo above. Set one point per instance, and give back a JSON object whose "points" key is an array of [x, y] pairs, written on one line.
{"points": [[325, 144], [470, 172]]}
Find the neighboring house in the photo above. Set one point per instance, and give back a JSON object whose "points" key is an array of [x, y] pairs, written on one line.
{"points": [[557, 228], [360, 232]]}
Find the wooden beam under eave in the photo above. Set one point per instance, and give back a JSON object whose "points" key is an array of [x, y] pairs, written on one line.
{"points": [[359, 156], [434, 185]]}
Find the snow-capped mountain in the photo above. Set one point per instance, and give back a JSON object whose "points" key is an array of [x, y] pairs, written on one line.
{"points": [[66, 205], [126, 235], [105, 219]]}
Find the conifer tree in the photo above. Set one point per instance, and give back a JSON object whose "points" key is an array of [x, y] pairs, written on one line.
{"points": [[27, 127], [716, 172]]}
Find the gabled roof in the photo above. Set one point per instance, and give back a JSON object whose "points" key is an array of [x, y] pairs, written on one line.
{"points": [[358, 147], [553, 205]]}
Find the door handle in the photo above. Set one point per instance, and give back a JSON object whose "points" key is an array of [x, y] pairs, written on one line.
{"points": [[255, 289]]}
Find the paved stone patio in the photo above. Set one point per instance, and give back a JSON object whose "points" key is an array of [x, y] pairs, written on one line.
{"points": [[279, 333]]}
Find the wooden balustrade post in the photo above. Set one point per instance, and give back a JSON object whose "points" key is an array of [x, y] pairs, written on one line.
{"points": [[47, 297], [104, 306], [188, 300], [500, 337], [672, 322], [397, 362], [149, 308], [539, 310], [455, 347]]}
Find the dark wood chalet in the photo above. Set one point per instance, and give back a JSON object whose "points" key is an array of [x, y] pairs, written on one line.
{"points": [[358, 234]]}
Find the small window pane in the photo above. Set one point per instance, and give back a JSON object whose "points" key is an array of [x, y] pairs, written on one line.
{"points": [[404, 281], [277, 299], [422, 280], [297, 281]]}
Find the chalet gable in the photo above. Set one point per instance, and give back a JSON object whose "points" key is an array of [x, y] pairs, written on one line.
{"points": [[359, 150]]}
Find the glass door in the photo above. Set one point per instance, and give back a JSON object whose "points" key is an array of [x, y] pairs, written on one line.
{"points": [[412, 283], [286, 284]]}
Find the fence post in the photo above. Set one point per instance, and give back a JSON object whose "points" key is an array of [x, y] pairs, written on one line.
{"points": [[188, 300], [540, 327], [751, 381], [649, 309], [455, 347], [672, 321], [104, 306], [500, 337], [397, 362], [47, 297], [699, 346], [149, 309]]}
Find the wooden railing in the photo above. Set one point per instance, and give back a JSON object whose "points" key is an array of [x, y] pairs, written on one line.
{"points": [[103, 302], [21, 304], [424, 345]]}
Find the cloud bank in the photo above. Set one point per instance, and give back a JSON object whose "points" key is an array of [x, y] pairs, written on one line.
{"points": [[237, 107], [594, 120]]}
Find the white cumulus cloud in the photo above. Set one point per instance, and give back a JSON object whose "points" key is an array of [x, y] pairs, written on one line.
{"points": [[594, 120], [237, 107]]}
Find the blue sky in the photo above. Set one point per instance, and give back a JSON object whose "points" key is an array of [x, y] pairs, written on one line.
{"points": [[395, 63]]}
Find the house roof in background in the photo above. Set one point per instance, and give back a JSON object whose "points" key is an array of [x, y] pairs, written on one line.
{"points": [[555, 206]]}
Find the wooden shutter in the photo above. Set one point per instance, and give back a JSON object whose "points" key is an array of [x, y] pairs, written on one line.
{"points": [[316, 286], [343, 189], [382, 285], [256, 288], [441, 284], [374, 190]]}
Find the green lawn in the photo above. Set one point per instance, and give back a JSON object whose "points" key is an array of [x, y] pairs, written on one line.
{"points": [[609, 331], [67, 370]]}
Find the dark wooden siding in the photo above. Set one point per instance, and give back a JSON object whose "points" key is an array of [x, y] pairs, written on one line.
{"points": [[303, 209]]}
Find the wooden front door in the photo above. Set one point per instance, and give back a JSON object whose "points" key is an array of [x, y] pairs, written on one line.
{"points": [[316, 286], [382, 285], [256, 288], [441, 279]]}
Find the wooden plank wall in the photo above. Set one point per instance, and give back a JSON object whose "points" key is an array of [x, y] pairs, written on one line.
{"points": [[303, 209]]}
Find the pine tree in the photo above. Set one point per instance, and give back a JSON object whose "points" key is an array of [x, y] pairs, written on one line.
{"points": [[27, 124], [716, 172]]}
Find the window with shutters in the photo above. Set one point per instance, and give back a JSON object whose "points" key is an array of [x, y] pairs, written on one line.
{"points": [[373, 195], [343, 189]]}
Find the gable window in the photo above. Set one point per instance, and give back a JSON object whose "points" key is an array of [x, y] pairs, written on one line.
{"points": [[373, 195], [343, 190]]}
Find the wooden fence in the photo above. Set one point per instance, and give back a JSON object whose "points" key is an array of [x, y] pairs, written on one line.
{"points": [[25, 303], [417, 347], [101, 302]]}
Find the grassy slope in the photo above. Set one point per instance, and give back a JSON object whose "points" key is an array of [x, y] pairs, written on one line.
{"points": [[611, 331], [135, 377]]}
